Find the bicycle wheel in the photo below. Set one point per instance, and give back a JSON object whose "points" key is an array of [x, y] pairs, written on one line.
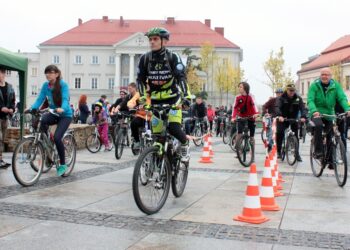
{"points": [[316, 164], [115, 133], [263, 135], [150, 186], [340, 162], [93, 143], [245, 151], [110, 141], [120, 143], [226, 136], [198, 134], [28, 162], [291, 150], [233, 142], [179, 179], [70, 153]]}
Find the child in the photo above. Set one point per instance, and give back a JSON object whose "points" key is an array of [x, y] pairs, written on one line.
{"points": [[100, 119]]}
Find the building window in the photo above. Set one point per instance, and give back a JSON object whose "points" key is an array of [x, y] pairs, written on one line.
{"points": [[111, 83], [347, 82], [34, 90], [77, 82], [8, 72], [77, 60], [302, 88], [34, 71], [56, 59], [94, 60], [125, 81], [94, 83], [111, 60]]}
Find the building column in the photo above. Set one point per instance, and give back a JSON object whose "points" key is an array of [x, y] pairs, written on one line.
{"points": [[131, 68], [117, 77]]}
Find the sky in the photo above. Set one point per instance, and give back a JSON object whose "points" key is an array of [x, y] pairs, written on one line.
{"points": [[303, 28]]}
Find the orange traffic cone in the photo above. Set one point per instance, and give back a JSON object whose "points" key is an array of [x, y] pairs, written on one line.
{"points": [[252, 208], [267, 197], [211, 153], [205, 156]]}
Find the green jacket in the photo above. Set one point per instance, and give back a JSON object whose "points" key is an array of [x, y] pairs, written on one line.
{"points": [[324, 103]]}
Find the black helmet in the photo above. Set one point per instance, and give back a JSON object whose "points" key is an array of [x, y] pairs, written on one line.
{"points": [[157, 31]]}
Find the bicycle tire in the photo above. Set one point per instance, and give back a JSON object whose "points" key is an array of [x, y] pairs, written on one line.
{"points": [[16, 169], [94, 139], [70, 145], [340, 175], [317, 172], [178, 186], [198, 134], [120, 143], [291, 146], [243, 147], [136, 180]]}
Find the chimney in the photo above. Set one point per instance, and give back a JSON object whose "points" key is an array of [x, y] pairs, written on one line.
{"points": [[80, 22], [121, 21], [170, 20], [207, 22], [220, 30], [105, 18]]}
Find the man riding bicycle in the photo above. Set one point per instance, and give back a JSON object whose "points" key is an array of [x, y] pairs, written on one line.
{"points": [[288, 106], [199, 111], [322, 97], [161, 75]]}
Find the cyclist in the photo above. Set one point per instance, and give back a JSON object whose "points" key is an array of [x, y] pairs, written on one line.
{"points": [[119, 100], [322, 97], [268, 110], [199, 111], [211, 116], [221, 115], [56, 91], [100, 119], [288, 106], [164, 74], [245, 107]]}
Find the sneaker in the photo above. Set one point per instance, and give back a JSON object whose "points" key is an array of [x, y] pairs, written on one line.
{"points": [[185, 152], [279, 155], [61, 169], [4, 165], [136, 145], [108, 148], [298, 158]]}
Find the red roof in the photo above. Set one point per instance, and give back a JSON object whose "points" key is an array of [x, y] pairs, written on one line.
{"points": [[110, 31], [337, 52]]}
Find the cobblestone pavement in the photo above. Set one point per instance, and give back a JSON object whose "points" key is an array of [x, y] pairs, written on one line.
{"points": [[94, 208]]}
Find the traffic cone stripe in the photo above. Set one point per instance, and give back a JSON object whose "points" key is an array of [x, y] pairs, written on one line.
{"points": [[253, 180], [252, 202], [267, 191], [251, 190]]}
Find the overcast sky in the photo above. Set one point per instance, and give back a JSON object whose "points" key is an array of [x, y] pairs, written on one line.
{"points": [[303, 28]]}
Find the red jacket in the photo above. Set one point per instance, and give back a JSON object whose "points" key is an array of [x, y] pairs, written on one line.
{"points": [[241, 102], [210, 114]]}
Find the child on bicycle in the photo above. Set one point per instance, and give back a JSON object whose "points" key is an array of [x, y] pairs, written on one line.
{"points": [[100, 119]]}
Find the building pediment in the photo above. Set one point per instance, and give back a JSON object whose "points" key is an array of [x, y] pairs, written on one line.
{"points": [[137, 40]]}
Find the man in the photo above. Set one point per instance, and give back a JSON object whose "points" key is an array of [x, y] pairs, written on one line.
{"points": [[199, 111], [7, 107], [221, 117], [323, 94], [268, 110], [163, 72], [288, 106], [119, 100]]}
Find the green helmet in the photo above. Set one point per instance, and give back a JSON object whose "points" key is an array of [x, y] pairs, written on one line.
{"points": [[161, 32]]}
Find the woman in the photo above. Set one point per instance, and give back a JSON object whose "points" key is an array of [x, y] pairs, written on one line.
{"points": [[244, 107], [100, 120], [211, 116], [83, 109], [56, 91]]}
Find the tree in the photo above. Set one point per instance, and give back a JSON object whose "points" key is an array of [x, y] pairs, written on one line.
{"points": [[274, 69], [227, 78], [337, 73], [207, 59], [195, 83]]}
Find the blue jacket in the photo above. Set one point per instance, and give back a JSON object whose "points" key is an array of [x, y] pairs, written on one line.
{"points": [[46, 92]]}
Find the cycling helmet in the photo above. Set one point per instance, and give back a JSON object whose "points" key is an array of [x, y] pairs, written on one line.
{"points": [[99, 104], [279, 90], [157, 31]]}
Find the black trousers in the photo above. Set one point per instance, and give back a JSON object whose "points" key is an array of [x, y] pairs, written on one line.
{"points": [[63, 123], [175, 129], [135, 125], [251, 127], [321, 124], [281, 127]]}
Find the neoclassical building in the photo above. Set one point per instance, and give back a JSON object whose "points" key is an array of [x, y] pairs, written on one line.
{"points": [[100, 56]]}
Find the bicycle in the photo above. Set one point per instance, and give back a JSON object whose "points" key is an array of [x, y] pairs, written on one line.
{"points": [[226, 135], [333, 152], [38, 150], [266, 129], [290, 145], [94, 143], [198, 131], [244, 145], [159, 166]]}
